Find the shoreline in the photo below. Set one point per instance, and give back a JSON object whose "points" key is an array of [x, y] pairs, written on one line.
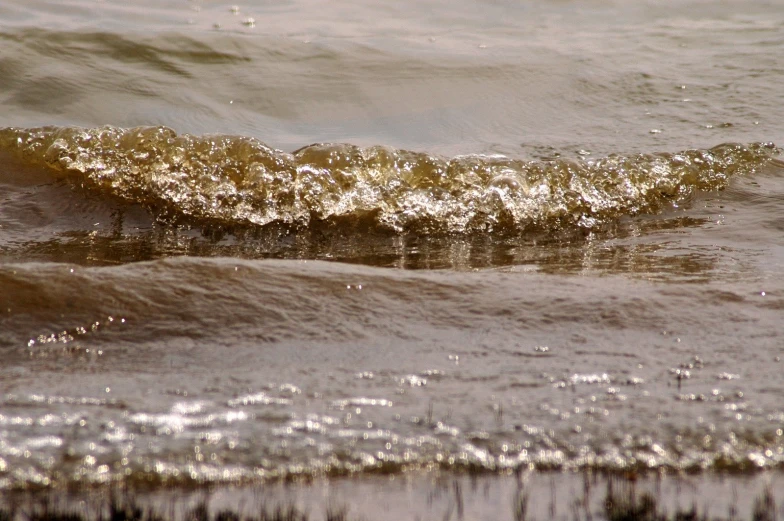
{"points": [[422, 496]]}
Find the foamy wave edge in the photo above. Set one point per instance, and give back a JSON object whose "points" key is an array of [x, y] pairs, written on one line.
{"points": [[235, 180]]}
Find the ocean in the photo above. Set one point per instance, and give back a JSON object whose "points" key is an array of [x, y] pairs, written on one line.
{"points": [[341, 245]]}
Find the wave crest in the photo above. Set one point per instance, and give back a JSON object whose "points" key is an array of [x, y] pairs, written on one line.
{"points": [[238, 180]]}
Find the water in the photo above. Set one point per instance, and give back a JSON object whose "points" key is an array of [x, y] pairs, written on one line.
{"points": [[529, 236]]}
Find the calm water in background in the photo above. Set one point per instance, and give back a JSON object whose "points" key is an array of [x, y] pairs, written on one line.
{"points": [[587, 280]]}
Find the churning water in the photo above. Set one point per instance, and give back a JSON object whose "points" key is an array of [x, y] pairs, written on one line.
{"points": [[539, 235]]}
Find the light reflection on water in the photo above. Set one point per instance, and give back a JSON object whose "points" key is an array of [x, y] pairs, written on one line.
{"points": [[632, 341], [494, 398]]}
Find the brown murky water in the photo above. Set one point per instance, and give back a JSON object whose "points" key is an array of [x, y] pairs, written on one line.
{"points": [[531, 235]]}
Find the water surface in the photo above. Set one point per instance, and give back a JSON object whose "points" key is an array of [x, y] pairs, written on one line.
{"points": [[303, 238]]}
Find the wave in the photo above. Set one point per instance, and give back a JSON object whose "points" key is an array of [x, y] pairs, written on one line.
{"points": [[264, 366], [236, 180]]}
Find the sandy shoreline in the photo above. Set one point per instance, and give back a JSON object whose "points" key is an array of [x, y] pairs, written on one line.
{"points": [[442, 496]]}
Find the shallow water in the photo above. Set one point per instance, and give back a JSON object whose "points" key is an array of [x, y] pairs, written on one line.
{"points": [[562, 496], [532, 236]]}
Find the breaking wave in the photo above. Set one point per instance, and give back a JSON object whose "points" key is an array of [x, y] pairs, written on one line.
{"points": [[239, 181]]}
